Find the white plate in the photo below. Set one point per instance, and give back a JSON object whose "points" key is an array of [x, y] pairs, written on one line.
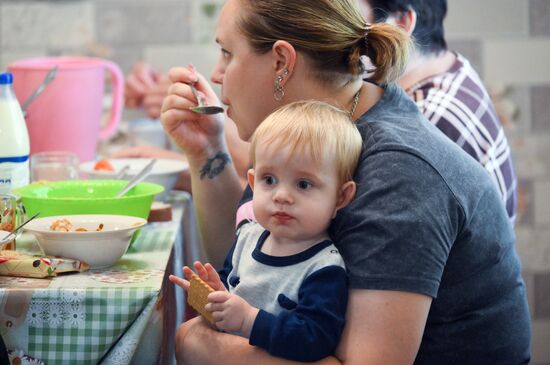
{"points": [[163, 166], [97, 248], [165, 171]]}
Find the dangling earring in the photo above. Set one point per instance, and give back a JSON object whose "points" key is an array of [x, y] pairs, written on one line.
{"points": [[279, 92]]}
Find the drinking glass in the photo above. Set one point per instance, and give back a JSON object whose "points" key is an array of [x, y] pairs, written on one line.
{"points": [[12, 215], [54, 166]]}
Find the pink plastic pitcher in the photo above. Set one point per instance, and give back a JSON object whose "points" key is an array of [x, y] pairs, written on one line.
{"points": [[67, 115]]}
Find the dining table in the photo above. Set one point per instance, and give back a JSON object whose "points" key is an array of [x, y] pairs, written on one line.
{"points": [[124, 314]]}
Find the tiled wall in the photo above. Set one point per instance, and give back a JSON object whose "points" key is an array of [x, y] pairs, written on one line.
{"points": [[511, 51], [163, 32], [507, 40]]}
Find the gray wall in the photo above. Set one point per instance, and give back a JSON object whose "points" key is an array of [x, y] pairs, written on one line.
{"points": [[507, 40]]}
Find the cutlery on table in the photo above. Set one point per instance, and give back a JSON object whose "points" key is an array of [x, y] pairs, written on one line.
{"points": [[138, 178], [49, 77], [122, 173], [15, 231]]}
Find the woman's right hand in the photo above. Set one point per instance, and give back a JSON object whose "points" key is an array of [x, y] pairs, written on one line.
{"points": [[200, 136]]}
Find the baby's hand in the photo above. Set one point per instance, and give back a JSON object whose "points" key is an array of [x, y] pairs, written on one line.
{"points": [[231, 312], [206, 272]]}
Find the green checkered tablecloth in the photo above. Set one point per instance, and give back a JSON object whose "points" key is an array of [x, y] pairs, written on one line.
{"points": [[98, 316]]}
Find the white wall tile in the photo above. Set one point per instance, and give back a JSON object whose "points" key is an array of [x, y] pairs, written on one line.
{"points": [[542, 204], [476, 19], [46, 24], [202, 56], [540, 19], [143, 22], [541, 339], [530, 153], [10, 56], [519, 62], [204, 18], [533, 249]]}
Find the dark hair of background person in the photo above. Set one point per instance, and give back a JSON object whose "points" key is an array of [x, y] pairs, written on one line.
{"points": [[429, 34]]}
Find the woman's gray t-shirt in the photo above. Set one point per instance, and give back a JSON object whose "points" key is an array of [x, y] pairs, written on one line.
{"points": [[428, 219]]}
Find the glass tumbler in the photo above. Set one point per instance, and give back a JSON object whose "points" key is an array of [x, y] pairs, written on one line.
{"points": [[54, 166], [12, 215]]}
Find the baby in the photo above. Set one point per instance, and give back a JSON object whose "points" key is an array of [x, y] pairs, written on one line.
{"points": [[284, 284]]}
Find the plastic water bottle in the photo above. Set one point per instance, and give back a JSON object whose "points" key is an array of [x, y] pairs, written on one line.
{"points": [[14, 139]]}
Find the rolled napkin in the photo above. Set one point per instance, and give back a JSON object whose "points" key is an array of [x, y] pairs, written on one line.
{"points": [[14, 263]]}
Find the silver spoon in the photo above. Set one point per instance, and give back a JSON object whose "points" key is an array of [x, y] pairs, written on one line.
{"points": [[15, 231], [49, 77], [121, 174], [202, 108], [137, 179]]}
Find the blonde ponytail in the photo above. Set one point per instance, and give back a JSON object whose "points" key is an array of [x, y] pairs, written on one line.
{"points": [[331, 33], [388, 48]]}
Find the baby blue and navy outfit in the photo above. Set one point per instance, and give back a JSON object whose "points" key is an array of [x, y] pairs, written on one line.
{"points": [[302, 297]]}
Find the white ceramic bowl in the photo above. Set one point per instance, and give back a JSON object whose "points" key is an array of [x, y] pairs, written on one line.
{"points": [[98, 248], [165, 171]]}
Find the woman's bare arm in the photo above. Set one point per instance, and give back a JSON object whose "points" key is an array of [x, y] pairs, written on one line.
{"points": [[383, 327], [214, 179], [198, 344]]}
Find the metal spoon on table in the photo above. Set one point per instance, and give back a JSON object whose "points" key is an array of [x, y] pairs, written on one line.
{"points": [[121, 174], [49, 77], [137, 179], [202, 108]]}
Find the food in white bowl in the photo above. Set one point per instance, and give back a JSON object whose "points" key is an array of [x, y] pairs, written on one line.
{"points": [[98, 239], [165, 171]]}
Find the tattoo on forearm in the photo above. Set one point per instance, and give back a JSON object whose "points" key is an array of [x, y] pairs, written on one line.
{"points": [[215, 165]]}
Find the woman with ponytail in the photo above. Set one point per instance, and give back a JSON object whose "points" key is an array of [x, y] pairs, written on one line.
{"points": [[427, 243]]}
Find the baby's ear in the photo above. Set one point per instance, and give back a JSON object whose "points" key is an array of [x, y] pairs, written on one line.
{"points": [[250, 177], [345, 196]]}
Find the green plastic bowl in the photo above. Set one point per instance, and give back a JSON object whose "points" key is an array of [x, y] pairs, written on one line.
{"points": [[87, 197]]}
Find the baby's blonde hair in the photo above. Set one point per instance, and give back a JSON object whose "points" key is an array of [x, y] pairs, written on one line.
{"points": [[313, 127]]}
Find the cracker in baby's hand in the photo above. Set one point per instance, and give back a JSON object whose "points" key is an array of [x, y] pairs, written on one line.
{"points": [[197, 296]]}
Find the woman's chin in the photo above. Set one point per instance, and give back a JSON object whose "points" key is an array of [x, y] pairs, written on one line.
{"points": [[243, 134]]}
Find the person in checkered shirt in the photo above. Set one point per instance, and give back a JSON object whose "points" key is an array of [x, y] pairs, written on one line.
{"points": [[448, 91]]}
